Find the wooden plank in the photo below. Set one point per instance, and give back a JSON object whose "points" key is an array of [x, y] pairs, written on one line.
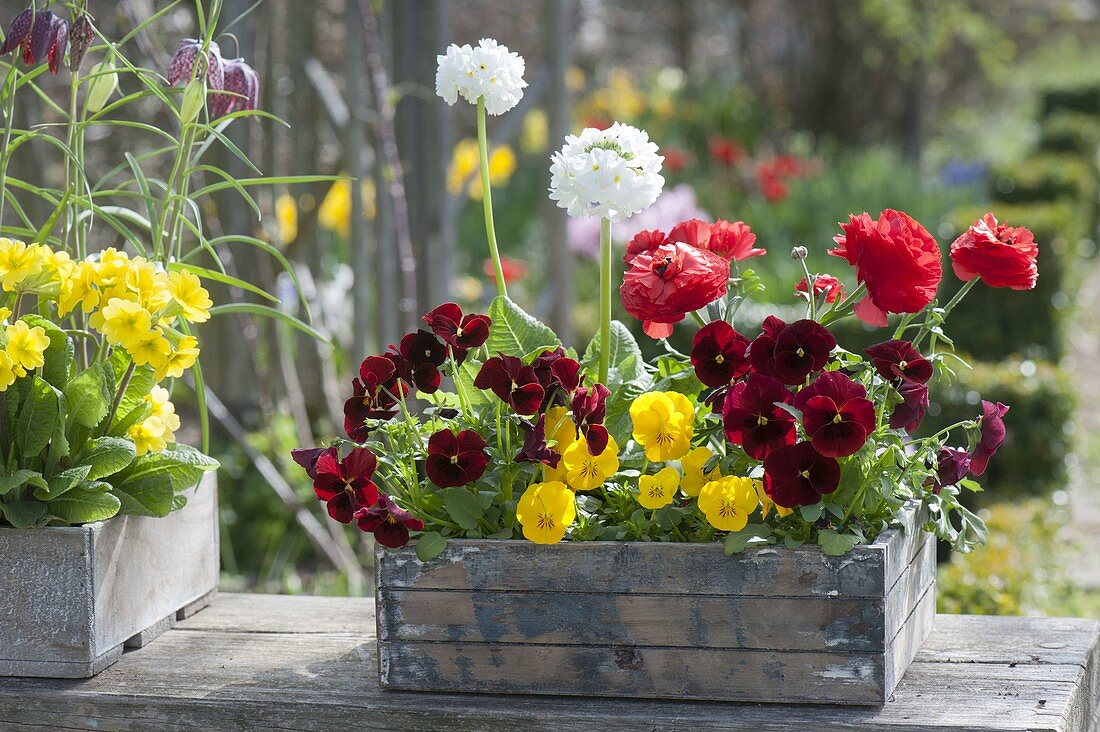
{"points": [[903, 542], [909, 639], [911, 586]]}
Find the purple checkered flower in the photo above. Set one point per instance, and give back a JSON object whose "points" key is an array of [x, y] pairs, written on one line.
{"points": [[243, 83], [41, 35], [80, 38], [187, 56]]}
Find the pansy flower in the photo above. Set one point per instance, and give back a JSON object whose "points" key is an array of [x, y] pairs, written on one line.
{"points": [[992, 436], [535, 448], [909, 414], [545, 511], [558, 374], [798, 475], [389, 523], [456, 459], [462, 333], [307, 457], [727, 503], [751, 418], [898, 360], [513, 382], [589, 411], [694, 464], [421, 354], [585, 471], [791, 352], [657, 491], [345, 485], [952, 465], [836, 414], [664, 423], [719, 354], [374, 395]]}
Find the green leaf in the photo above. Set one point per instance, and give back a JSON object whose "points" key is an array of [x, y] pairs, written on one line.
{"points": [[20, 478], [142, 381], [811, 513], [623, 345], [266, 312], [24, 514], [107, 455], [463, 507], [224, 279], [58, 355], [89, 395], [62, 483], [834, 544], [37, 418], [738, 540], [80, 506], [429, 546], [515, 332]]}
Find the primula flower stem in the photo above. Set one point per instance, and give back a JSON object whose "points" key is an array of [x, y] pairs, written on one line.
{"points": [[487, 198], [605, 298], [9, 114]]}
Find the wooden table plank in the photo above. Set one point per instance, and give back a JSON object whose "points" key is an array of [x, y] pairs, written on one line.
{"points": [[302, 663]]}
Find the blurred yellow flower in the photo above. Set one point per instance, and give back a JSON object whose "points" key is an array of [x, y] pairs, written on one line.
{"points": [[469, 288], [335, 212], [575, 79], [464, 169], [286, 216], [535, 133]]}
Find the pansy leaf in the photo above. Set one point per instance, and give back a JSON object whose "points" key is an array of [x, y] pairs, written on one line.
{"points": [[623, 345], [429, 546], [515, 332], [463, 507], [737, 541], [835, 544]]}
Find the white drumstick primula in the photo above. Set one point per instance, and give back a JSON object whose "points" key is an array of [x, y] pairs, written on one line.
{"points": [[613, 173], [487, 70]]}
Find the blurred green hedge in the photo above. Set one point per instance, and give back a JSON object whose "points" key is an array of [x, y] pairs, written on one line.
{"points": [[1067, 131], [1084, 99], [1045, 177]]}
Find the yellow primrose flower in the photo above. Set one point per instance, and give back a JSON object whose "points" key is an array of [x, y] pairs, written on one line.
{"points": [[149, 284], [164, 410], [26, 346], [584, 471], [182, 357], [5, 313], [148, 435], [286, 215], [545, 511], [727, 502], [766, 502], [335, 211], [78, 288], [152, 350], [657, 491], [111, 267], [663, 424], [18, 262], [693, 464], [191, 296], [7, 371], [125, 322]]}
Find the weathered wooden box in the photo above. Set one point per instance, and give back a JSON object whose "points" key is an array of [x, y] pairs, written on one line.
{"points": [[71, 598], [670, 621]]}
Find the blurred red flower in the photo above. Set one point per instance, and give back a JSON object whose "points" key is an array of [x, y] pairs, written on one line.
{"points": [[725, 151], [1003, 256], [665, 284], [675, 159], [824, 283]]}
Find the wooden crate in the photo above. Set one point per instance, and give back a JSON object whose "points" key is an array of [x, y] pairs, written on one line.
{"points": [[71, 598], [657, 620]]}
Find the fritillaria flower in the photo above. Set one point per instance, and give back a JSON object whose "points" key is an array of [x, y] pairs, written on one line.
{"points": [[183, 63], [752, 419], [898, 361], [487, 71], [345, 485], [836, 414], [513, 382], [42, 36], [456, 459], [389, 523], [719, 354], [992, 436], [240, 90], [790, 353], [798, 475], [80, 39]]}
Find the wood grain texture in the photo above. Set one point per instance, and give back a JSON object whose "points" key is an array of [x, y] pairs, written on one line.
{"points": [[73, 596], [299, 663]]}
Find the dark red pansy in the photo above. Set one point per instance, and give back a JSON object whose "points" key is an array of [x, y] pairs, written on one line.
{"points": [[345, 485], [836, 414], [695, 232], [424, 354], [752, 419], [558, 374], [307, 458], [374, 396], [455, 460], [898, 360], [909, 414], [535, 449], [589, 411], [952, 465], [513, 382], [798, 475], [461, 332], [389, 523], [719, 354], [791, 352], [992, 436]]}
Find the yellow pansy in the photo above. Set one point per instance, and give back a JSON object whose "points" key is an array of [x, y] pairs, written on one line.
{"points": [[664, 423], [286, 215], [536, 132], [545, 511], [191, 296], [584, 471], [148, 435], [18, 262], [26, 346], [152, 350], [693, 464], [727, 502], [766, 502], [182, 357], [657, 491], [125, 322], [7, 371]]}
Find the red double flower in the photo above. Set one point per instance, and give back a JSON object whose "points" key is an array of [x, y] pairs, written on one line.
{"points": [[345, 485], [790, 353], [731, 240], [513, 382], [719, 354], [456, 459], [798, 475], [836, 414], [665, 284], [1003, 256], [389, 523], [752, 419], [823, 283]]}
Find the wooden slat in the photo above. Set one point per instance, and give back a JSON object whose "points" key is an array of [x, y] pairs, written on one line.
{"points": [[911, 586]]}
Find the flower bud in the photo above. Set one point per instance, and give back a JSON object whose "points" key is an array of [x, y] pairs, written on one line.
{"points": [[194, 96], [799, 253], [80, 38], [102, 83]]}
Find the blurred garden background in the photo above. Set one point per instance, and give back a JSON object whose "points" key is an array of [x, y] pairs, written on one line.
{"points": [[786, 114]]}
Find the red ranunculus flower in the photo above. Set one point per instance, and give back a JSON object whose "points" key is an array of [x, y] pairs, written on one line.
{"points": [[899, 361], [535, 449], [418, 359], [797, 475], [374, 396], [719, 354], [952, 465], [823, 283], [725, 151], [1003, 256], [733, 240], [909, 414], [643, 241], [389, 523], [461, 332], [345, 485], [695, 232], [663, 285], [514, 269], [773, 188], [558, 374], [455, 460], [836, 414], [589, 411], [791, 352], [896, 258], [752, 419], [675, 158], [993, 435], [512, 382]]}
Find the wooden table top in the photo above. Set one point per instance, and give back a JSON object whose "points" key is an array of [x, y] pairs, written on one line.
{"points": [[309, 663]]}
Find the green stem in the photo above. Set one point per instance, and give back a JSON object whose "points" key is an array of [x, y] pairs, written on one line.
{"points": [[845, 307], [9, 122], [698, 318], [605, 299], [811, 295], [487, 198], [118, 396], [955, 300]]}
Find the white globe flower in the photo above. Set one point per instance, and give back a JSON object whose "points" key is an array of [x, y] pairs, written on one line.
{"points": [[488, 70], [612, 173]]}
